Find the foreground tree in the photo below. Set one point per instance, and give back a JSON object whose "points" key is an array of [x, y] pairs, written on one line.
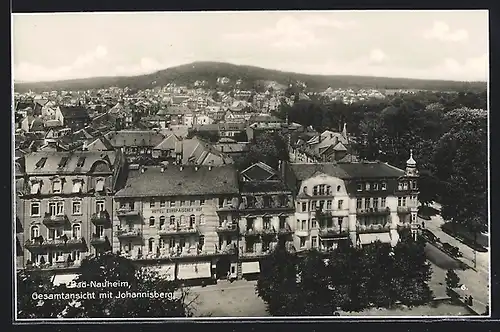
{"points": [[452, 279], [113, 268]]}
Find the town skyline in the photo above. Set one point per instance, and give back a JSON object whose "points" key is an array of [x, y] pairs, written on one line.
{"points": [[426, 45]]}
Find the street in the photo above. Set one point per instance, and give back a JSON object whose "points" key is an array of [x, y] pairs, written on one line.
{"points": [[477, 282]]}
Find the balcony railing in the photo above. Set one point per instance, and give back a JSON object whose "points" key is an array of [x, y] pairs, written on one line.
{"points": [[251, 208], [127, 212], [332, 233], [374, 211], [227, 228], [128, 233], [373, 228], [99, 241], [227, 207], [100, 218], [62, 242], [268, 231], [178, 230], [54, 266], [256, 253], [404, 209], [285, 230], [55, 220], [302, 232], [251, 232]]}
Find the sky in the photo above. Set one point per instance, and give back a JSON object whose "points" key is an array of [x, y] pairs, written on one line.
{"points": [[450, 45]]}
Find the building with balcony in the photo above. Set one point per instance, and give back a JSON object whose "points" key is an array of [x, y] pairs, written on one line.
{"points": [[65, 206], [179, 219], [358, 202], [266, 215]]}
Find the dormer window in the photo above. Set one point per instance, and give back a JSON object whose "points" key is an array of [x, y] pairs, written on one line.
{"points": [[375, 186], [99, 186], [305, 190], [383, 186], [315, 191], [367, 186], [35, 187], [414, 185], [400, 186], [57, 187], [405, 185], [41, 163], [77, 186], [359, 187]]}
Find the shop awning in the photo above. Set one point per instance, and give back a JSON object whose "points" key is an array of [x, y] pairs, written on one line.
{"points": [[250, 267], [60, 279], [194, 270], [373, 237]]}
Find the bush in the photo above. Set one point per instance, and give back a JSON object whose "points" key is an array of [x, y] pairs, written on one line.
{"points": [[452, 279]]}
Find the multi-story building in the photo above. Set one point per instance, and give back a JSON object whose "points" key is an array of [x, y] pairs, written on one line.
{"points": [[179, 219], [266, 215], [65, 206], [361, 202]]}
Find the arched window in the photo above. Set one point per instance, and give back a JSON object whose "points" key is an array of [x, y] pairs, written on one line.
{"points": [[192, 220], [328, 190], [183, 219], [315, 191], [151, 221], [151, 244], [338, 188], [162, 221], [172, 220], [305, 190], [76, 231], [35, 232], [202, 219]]}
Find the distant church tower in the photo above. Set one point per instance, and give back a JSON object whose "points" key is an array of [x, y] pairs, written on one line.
{"points": [[411, 174], [411, 166]]}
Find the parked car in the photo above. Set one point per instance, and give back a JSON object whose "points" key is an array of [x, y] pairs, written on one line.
{"points": [[428, 235], [452, 250]]}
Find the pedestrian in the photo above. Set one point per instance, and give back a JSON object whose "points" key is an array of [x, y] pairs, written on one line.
{"points": [[423, 224]]}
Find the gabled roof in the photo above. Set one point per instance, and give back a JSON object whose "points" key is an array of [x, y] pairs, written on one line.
{"points": [[169, 143], [76, 162], [146, 138], [176, 182]]}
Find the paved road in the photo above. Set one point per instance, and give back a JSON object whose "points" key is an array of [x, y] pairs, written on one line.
{"points": [[477, 282]]}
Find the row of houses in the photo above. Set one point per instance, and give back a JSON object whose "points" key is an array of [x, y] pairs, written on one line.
{"points": [[192, 221]]}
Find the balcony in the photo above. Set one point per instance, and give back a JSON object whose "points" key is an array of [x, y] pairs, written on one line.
{"points": [[178, 230], [52, 221], [99, 241], [128, 233], [332, 233], [374, 212], [302, 232], [54, 266], [227, 228], [268, 231], [404, 210], [254, 254], [285, 230], [227, 208], [374, 228], [61, 243], [251, 232], [100, 218], [124, 212]]}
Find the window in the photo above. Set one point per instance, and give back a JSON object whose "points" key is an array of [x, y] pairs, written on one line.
{"points": [[340, 204], [35, 188], [322, 190], [172, 220], [382, 202], [359, 203], [76, 207], [35, 232], [57, 256], [302, 242], [329, 205], [162, 204], [304, 207], [314, 241], [99, 185], [152, 203], [405, 185], [35, 209], [183, 220], [314, 223], [321, 205], [313, 205], [202, 202], [60, 208], [77, 186], [315, 191], [172, 203], [182, 242], [151, 245], [191, 203], [76, 231], [192, 220], [400, 201], [383, 186], [328, 190], [99, 206], [404, 201], [202, 219], [375, 186], [161, 243], [304, 225], [359, 187], [182, 203], [375, 203], [151, 221], [56, 187], [367, 186], [52, 208], [162, 221], [99, 230], [54, 233], [414, 185], [338, 188], [171, 243], [304, 190], [367, 203]]}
